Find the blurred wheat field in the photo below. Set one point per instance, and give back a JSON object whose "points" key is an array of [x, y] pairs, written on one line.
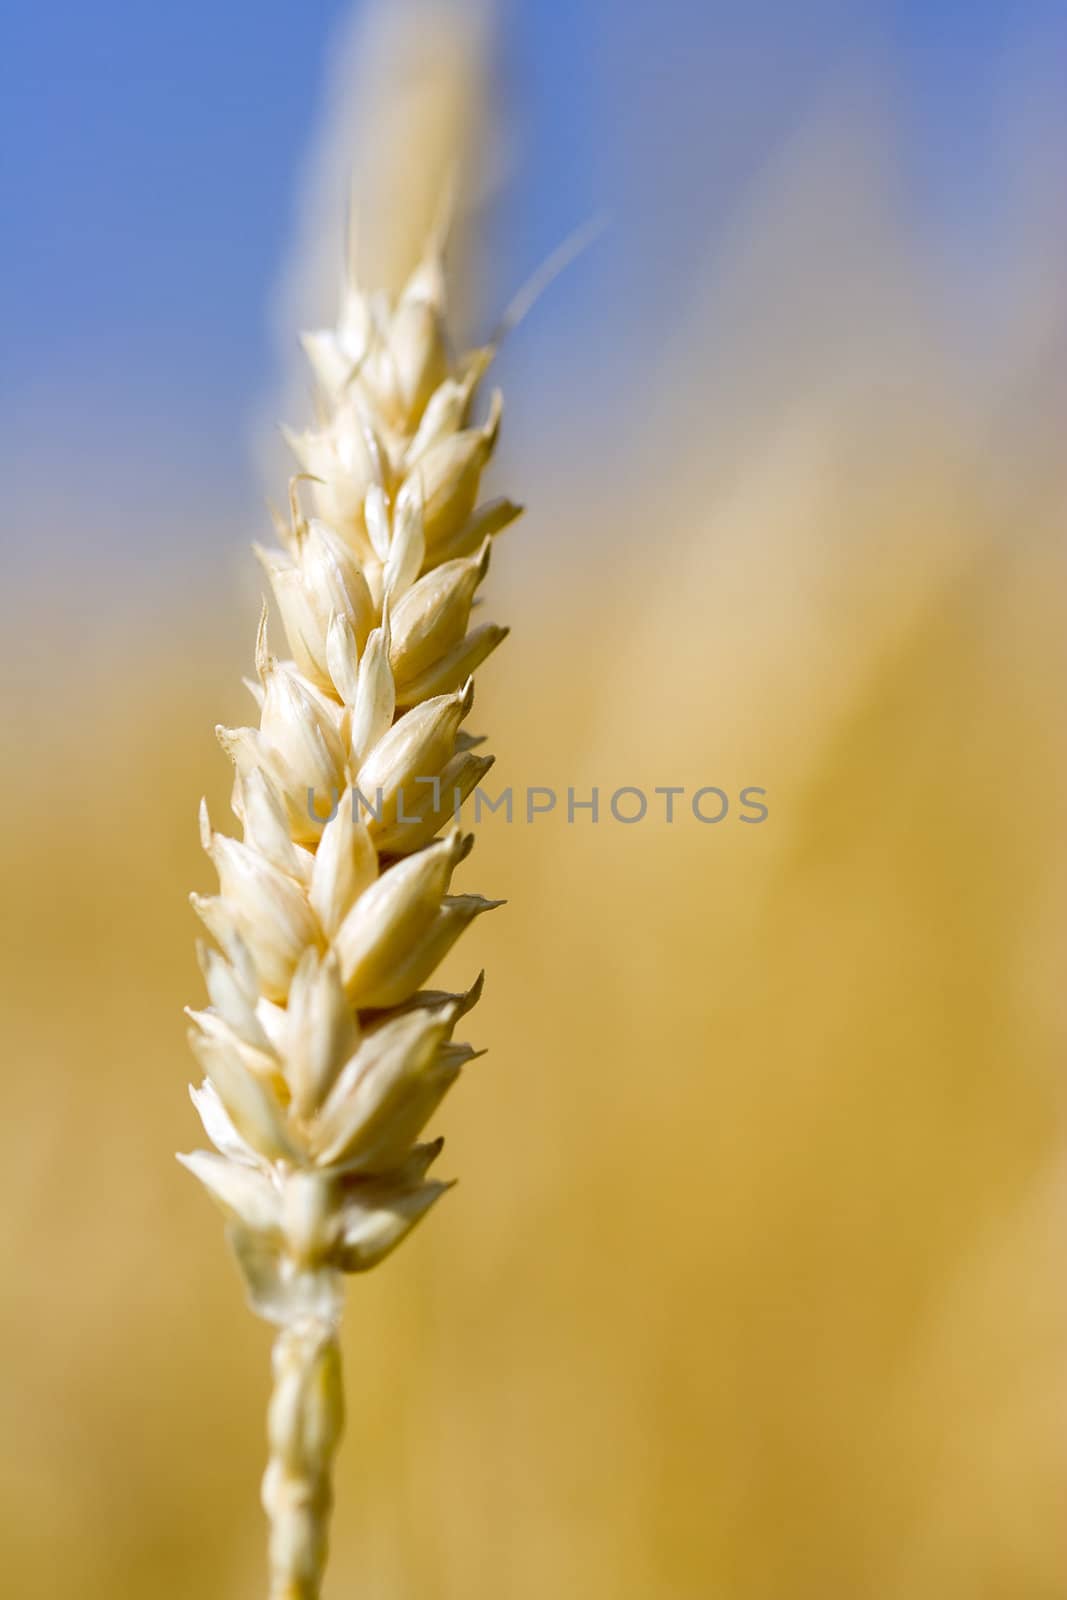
{"points": [[753, 1284]]}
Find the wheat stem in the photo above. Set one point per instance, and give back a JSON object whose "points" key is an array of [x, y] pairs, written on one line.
{"points": [[303, 1428]]}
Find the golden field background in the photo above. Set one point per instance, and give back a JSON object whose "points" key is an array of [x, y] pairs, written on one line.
{"points": [[753, 1284]]}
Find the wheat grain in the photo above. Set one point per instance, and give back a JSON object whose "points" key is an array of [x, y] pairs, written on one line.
{"points": [[323, 1055]]}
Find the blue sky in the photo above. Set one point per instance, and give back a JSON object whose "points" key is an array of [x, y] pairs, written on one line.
{"points": [[151, 156]]}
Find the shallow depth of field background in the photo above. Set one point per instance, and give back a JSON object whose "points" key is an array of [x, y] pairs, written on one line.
{"points": [[753, 1287]]}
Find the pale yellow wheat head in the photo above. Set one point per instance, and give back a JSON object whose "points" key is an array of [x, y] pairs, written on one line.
{"points": [[324, 1053]]}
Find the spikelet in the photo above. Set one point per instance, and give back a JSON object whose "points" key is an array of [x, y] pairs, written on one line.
{"points": [[324, 1055]]}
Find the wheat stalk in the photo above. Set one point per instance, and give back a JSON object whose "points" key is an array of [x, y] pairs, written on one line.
{"points": [[324, 1056]]}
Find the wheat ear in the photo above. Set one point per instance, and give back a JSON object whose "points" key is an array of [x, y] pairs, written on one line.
{"points": [[324, 1055]]}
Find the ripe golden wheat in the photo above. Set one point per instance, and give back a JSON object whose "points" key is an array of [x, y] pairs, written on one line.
{"points": [[324, 1056]]}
